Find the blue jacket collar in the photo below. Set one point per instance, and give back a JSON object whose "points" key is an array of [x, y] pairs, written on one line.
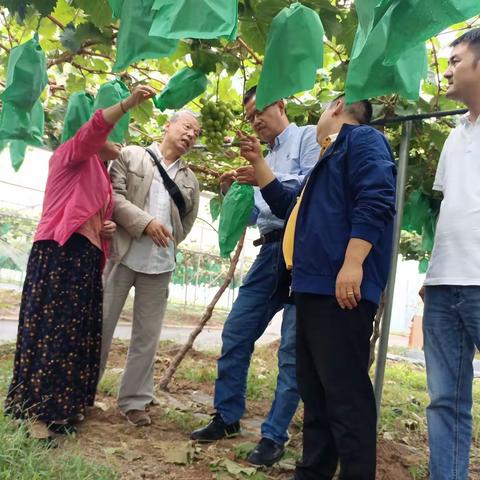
{"points": [[345, 131]]}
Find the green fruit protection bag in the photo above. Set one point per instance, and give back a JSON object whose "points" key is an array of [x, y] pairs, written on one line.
{"points": [[428, 233], [17, 124], [18, 149], [186, 85], [416, 212], [416, 21], [215, 207], [293, 54], [367, 74], [202, 19], [116, 6], [423, 265], [109, 94], [79, 111], [134, 43], [26, 75], [234, 216]]}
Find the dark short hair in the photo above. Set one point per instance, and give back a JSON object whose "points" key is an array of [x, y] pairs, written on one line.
{"points": [[361, 111], [249, 94], [472, 38]]}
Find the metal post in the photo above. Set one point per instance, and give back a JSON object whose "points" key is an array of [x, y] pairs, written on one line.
{"points": [[385, 327]]}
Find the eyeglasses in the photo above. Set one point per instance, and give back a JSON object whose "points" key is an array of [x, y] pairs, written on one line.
{"points": [[251, 118]]}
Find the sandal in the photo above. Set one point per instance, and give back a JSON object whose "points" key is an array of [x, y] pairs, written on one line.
{"points": [[39, 432], [62, 428]]}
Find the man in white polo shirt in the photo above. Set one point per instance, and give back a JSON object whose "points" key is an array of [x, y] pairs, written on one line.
{"points": [[452, 287]]}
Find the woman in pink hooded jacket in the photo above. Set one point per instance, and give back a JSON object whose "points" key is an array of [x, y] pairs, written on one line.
{"points": [[59, 335]]}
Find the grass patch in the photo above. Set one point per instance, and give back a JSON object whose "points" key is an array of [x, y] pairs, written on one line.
{"points": [[262, 375], [22, 458], [404, 400], [109, 384], [189, 369], [180, 314], [185, 421], [193, 313], [419, 472], [5, 377]]}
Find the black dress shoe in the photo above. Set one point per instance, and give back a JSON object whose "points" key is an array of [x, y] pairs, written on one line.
{"points": [[266, 453], [216, 430]]}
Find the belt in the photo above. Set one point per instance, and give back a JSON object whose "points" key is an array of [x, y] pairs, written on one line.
{"points": [[269, 237]]}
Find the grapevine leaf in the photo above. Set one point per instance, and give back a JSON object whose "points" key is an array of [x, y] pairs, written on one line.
{"points": [[44, 7], [88, 31], [143, 112], [99, 11]]}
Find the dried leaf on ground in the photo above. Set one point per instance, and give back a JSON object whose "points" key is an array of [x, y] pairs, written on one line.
{"points": [[233, 468], [179, 453]]}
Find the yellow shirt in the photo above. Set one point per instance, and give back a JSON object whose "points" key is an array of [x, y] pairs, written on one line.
{"points": [[289, 235]]}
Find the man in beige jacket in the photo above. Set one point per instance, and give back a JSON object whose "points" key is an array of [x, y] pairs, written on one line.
{"points": [[149, 228]]}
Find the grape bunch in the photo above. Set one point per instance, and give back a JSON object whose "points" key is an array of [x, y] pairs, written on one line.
{"points": [[216, 120]]}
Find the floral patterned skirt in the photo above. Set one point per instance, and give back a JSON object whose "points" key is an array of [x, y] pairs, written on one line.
{"points": [[59, 334]]}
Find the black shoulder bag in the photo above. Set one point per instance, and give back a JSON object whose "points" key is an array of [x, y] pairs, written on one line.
{"points": [[171, 186]]}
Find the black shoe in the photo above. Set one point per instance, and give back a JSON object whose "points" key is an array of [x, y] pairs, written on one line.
{"points": [[266, 453], [216, 430]]}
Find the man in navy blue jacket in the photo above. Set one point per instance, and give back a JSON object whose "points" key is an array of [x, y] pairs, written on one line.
{"points": [[292, 153], [337, 245]]}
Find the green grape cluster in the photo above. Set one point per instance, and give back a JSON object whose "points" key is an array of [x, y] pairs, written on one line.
{"points": [[216, 120]]}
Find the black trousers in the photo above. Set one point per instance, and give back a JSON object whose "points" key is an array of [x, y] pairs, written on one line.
{"points": [[340, 417]]}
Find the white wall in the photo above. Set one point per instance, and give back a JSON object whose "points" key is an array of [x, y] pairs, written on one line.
{"points": [[406, 301], [23, 190]]}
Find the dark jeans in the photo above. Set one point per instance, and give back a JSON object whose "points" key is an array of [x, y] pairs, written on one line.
{"points": [[252, 311], [340, 417]]}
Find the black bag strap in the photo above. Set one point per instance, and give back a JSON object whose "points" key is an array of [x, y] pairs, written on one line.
{"points": [[170, 185]]}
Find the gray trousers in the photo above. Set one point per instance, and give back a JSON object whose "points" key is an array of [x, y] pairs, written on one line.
{"points": [[151, 292]]}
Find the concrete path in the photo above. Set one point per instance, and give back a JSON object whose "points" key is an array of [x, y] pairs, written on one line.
{"points": [[209, 339]]}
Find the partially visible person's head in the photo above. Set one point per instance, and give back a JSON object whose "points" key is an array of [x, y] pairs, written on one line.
{"points": [[267, 123], [463, 72], [110, 151], [182, 131], [338, 113]]}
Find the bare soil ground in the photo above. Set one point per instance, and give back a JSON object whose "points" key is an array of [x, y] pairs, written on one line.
{"points": [[163, 450], [147, 452]]}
